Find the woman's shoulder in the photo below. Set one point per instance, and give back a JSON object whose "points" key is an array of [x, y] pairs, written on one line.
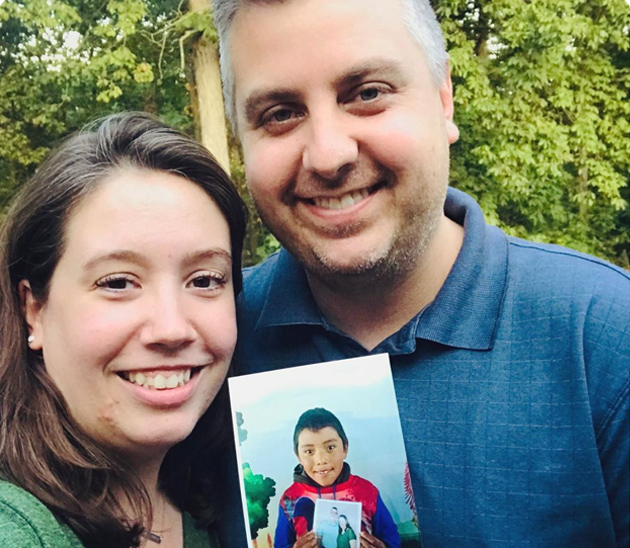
{"points": [[26, 523]]}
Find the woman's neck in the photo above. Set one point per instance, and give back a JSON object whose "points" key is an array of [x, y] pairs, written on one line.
{"points": [[165, 529]]}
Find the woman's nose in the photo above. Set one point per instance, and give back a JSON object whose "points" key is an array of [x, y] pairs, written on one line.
{"points": [[168, 325]]}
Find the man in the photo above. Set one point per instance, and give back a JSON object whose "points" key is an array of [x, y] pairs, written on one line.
{"points": [[329, 529], [510, 359]]}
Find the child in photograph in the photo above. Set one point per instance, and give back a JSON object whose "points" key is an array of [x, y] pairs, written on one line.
{"points": [[321, 446]]}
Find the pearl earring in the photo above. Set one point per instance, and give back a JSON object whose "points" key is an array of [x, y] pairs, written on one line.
{"points": [[31, 339]]}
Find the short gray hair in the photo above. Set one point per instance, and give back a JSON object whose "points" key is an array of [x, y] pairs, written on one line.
{"points": [[419, 18]]}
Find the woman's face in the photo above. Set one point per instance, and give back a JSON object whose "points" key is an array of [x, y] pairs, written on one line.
{"points": [[343, 522], [139, 325]]}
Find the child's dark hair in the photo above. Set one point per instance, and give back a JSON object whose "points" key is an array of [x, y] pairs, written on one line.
{"points": [[314, 420]]}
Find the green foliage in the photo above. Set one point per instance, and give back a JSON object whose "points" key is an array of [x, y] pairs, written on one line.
{"points": [[259, 491], [542, 99], [259, 242], [65, 63], [242, 433]]}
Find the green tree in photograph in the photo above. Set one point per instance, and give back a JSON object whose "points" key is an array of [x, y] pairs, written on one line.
{"points": [[258, 488], [259, 491]]}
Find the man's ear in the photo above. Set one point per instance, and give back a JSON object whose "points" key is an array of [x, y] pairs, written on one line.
{"points": [[32, 310], [448, 107]]}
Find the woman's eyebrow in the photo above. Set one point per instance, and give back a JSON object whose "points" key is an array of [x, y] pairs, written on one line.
{"points": [[211, 253], [126, 255]]}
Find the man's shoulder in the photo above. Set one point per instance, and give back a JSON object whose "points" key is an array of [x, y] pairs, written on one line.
{"points": [[557, 255], [550, 268]]}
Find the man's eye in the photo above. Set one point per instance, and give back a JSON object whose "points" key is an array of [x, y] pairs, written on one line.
{"points": [[281, 115], [369, 94], [332, 447], [280, 119]]}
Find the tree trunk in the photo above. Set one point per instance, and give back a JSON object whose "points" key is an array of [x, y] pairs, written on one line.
{"points": [[209, 108]]}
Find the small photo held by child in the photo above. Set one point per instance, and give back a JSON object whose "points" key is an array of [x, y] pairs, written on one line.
{"points": [[337, 523]]}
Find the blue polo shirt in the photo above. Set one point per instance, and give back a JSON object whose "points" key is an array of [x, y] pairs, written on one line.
{"points": [[513, 387]]}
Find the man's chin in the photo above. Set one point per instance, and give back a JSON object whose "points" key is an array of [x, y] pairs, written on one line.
{"points": [[349, 262]]}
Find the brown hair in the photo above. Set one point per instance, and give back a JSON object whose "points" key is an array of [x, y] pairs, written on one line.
{"points": [[42, 449]]}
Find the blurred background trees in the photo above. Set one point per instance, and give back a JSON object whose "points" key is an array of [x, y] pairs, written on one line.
{"points": [[542, 93]]}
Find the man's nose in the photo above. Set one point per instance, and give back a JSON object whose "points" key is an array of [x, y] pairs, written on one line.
{"points": [[330, 146], [167, 324], [321, 456]]}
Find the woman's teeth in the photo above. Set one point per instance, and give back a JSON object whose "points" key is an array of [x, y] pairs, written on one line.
{"points": [[160, 381], [344, 201]]}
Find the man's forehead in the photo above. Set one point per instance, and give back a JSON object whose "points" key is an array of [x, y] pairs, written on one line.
{"points": [[276, 52], [276, 21]]}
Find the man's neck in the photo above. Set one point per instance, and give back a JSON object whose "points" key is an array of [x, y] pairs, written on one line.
{"points": [[369, 311]]}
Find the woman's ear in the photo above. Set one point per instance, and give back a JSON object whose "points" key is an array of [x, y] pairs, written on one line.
{"points": [[32, 310]]}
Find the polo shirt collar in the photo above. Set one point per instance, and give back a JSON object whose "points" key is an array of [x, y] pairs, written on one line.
{"points": [[465, 312], [289, 300]]}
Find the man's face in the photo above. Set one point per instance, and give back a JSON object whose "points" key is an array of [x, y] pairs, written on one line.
{"points": [[344, 130]]}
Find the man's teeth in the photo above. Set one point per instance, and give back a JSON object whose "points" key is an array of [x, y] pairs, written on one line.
{"points": [[160, 381], [344, 201]]}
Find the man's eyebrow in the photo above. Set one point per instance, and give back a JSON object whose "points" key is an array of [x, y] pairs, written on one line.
{"points": [[380, 67], [261, 97]]}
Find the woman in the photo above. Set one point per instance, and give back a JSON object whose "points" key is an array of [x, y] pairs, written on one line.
{"points": [[120, 262], [346, 537]]}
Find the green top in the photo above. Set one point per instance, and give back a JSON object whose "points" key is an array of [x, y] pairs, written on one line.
{"points": [[343, 540], [26, 523]]}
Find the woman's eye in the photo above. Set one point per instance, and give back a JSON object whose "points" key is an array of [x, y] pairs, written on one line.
{"points": [[208, 281], [116, 283]]}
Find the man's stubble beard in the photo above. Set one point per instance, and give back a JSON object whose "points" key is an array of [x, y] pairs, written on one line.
{"points": [[387, 265]]}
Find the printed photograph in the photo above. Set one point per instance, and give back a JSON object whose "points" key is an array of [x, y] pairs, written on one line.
{"points": [[320, 435], [336, 523]]}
